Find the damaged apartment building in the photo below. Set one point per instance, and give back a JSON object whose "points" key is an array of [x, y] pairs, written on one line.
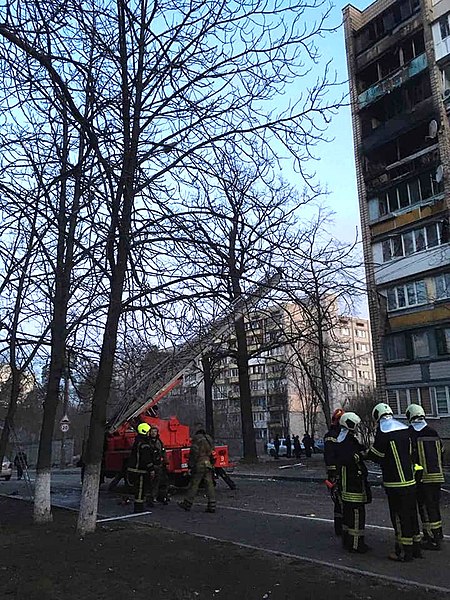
{"points": [[398, 55]]}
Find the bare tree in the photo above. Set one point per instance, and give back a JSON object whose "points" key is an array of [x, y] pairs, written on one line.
{"points": [[362, 404], [171, 86]]}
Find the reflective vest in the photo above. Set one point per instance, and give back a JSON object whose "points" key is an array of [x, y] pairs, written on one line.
{"points": [[351, 469], [429, 451], [393, 451]]}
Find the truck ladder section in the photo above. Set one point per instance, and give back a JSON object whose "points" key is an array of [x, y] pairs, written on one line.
{"points": [[160, 380]]}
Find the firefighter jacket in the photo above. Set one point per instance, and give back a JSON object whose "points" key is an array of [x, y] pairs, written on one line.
{"points": [[352, 471], [141, 457], [159, 451], [201, 452], [329, 451], [393, 451], [429, 451]]}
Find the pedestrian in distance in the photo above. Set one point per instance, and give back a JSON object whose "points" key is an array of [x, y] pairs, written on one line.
{"points": [[201, 466], [330, 458], [297, 447], [140, 467], [353, 486], [288, 443], [21, 463], [276, 445], [429, 452], [307, 443], [393, 450]]}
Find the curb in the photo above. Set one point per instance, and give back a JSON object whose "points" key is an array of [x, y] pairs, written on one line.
{"points": [[304, 478]]}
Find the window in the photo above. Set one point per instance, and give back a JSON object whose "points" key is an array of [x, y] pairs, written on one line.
{"points": [[413, 241], [400, 399], [420, 345], [254, 369], [410, 294], [443, 341], [444, 27], [405, 194], [361, 333], [345, 331], [395, 347], [442, 283], [348, 373], [233, 373], [441, 398]]}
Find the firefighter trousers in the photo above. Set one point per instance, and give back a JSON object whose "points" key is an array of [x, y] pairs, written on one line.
{"points": [[141, 485], [428, 501], [202, 472], [403, 511], [353, 523], [160, 483], [337, 500]]}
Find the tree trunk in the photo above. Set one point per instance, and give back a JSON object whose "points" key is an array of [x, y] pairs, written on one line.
{"points": [[207, 382], [12, 406], [248, 431]]}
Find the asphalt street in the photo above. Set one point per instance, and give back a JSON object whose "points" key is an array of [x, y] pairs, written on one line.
{"points": [[288, 517]]}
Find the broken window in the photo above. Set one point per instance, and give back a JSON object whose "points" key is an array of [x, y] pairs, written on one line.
{"points": [[444, 27]]}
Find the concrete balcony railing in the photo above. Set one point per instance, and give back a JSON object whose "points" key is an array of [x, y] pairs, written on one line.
{"points": [[378, 90]]}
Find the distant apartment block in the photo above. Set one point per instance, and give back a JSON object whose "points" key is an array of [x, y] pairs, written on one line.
{"points": [[278, 399], [398, 55]]}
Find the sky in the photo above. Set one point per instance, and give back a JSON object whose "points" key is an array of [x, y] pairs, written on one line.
{"points": [[336, 167]]}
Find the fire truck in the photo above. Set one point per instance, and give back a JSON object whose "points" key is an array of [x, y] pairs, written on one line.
{"points": [[142, 397]]}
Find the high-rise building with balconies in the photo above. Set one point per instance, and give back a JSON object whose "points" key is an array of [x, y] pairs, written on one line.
{"points": [[398, 55]]}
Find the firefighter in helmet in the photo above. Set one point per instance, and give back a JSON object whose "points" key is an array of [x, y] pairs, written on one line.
{"points": [[353, 486], [140, 468], [159, 482], [331, 466], [429, 451], [393, 451], [201, 465]]}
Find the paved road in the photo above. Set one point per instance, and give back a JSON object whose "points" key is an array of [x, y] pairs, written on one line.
{"points": [[287, 517]]}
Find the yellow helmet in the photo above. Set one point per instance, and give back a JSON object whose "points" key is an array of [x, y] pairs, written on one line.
{"points": [[350, 421], [380, 410], [415, 411], [143, 428]]}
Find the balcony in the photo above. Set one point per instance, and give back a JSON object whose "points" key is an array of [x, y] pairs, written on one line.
{"points": [[416, 66], [398, 125]]}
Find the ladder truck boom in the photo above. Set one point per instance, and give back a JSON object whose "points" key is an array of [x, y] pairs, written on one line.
{"points": [[166, 375]]}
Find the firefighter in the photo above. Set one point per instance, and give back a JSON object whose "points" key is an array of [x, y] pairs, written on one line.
{"points": [[159, 482], [140, 467], [353, 486], [201, 465], [393, 451], [331, 466], [429, 451]]}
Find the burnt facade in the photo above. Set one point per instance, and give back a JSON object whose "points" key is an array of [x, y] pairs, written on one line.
{"points": [[399, 71]]}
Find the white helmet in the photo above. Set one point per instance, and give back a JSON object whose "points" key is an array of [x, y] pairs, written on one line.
{"points": [[380, 410], [414, 411], [350, 421]]}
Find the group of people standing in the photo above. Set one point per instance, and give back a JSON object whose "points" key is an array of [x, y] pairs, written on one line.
{"points": [[410, 458], [294, 446], [147, 469]]}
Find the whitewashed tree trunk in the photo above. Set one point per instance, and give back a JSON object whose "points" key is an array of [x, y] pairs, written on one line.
{"points": [[87, 516], [42, 499]]}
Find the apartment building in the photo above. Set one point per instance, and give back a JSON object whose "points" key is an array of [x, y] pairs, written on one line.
{"points": [[356, 368], [398, 55], [280, 391]]}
